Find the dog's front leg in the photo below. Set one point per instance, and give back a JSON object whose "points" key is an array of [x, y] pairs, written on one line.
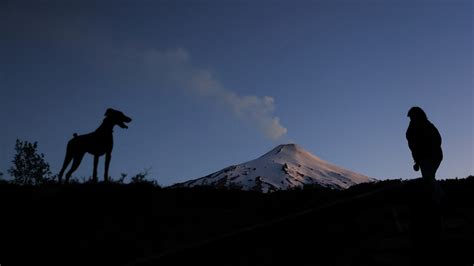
{"points": [[94, 173], [108, 157]]}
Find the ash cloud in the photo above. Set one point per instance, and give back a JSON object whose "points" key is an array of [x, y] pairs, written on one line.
{"points": [[176, 67]]}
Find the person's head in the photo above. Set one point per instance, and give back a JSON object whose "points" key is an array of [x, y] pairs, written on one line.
{"points": [[417, 114]]}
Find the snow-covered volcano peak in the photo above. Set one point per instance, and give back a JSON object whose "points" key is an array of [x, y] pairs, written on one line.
{"points": [[287, 148], [289, 151], [285, 166]]}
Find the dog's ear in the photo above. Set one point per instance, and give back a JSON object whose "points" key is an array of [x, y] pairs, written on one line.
{"points": [[108, 112]]}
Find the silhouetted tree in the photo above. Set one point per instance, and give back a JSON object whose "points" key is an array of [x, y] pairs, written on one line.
{"points": [[1, 179], [29, 166]]}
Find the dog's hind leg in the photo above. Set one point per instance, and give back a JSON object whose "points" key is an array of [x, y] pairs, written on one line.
{"points": [[75, 165], [67, 160], [94, 172]]}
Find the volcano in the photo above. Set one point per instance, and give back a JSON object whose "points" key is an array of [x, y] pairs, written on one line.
{"points": [[284, 167]]}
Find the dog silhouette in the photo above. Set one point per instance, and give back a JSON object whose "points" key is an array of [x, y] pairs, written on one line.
{"points": [[97, 143]]}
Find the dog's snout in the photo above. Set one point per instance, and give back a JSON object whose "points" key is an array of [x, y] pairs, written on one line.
{"points": [[128, 119]]}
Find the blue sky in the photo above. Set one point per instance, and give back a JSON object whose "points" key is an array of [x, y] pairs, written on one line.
{"points": [[215, 83]]}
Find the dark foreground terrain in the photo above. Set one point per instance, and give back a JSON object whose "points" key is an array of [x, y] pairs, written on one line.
{"points": [[386, 223]]}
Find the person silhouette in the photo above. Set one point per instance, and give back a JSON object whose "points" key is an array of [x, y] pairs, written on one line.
{"points": [[424, 141]]}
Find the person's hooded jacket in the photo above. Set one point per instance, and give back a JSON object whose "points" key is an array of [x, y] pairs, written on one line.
{"points": [[423, 138]]}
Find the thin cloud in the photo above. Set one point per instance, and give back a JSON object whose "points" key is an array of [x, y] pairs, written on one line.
{"points": [[175, 67]]}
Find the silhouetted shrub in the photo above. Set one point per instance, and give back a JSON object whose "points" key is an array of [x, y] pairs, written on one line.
{"points": [[119, 181], [29, 166], [141, 178]]}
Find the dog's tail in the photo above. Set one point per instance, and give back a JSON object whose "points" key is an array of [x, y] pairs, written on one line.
{"points": [[75, 135]]}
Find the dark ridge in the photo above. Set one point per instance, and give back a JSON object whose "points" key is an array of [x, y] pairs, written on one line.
{"points": [[113, 224]]}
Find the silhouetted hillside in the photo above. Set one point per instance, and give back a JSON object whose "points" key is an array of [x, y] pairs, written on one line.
{"points": [[111, 224]]}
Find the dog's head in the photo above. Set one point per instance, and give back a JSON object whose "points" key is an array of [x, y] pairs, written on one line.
{"points": [[117, 118]]}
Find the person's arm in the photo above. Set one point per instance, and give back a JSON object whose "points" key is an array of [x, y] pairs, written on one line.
{"points": [[413, 145]]}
